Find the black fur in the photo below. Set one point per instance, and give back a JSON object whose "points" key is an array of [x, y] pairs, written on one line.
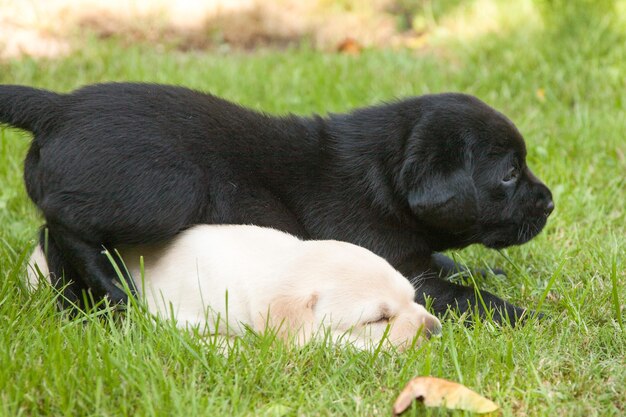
{"points": [[117, 164]]}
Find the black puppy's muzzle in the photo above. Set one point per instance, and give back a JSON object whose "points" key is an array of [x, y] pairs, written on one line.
{"points": [[533, 206], [543, 203]]}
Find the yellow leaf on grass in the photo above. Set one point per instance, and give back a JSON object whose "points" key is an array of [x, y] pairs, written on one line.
{"points": [[437, 392], [540, 94]]}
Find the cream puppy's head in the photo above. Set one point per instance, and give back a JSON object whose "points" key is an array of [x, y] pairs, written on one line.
{"points": [[354, 294]]}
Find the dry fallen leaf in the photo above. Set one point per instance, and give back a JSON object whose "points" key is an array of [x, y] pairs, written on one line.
{"points": [[349, 46], [437, 392]]}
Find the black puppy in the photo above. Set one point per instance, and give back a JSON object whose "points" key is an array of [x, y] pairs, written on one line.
{"points": [[117, 164]]}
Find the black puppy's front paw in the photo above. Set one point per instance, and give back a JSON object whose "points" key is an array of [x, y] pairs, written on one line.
{"points": [[445, 267], [445, 295], [532, 314], [482, 272], [504, 312]]}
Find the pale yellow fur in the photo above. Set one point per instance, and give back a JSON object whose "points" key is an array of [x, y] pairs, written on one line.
{"points": [[267, 277]]}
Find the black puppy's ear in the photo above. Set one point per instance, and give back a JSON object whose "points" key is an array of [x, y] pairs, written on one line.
{"points": [[445, 201]]}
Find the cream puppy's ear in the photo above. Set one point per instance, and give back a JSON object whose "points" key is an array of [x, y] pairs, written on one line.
{"points": [[290, 316]]}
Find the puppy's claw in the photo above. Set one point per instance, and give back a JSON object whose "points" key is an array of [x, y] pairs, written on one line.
{"points": [[532, 314], [117, 297], [517, 316]]}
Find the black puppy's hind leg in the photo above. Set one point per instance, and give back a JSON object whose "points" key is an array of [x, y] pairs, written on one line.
{"points": [[89, 261], [62, 276]]}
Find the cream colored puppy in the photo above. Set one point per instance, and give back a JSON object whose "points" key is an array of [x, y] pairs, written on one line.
{"points": [[215, 276]]}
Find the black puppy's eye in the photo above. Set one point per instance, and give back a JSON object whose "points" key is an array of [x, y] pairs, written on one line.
{"points": [[511, 176]]}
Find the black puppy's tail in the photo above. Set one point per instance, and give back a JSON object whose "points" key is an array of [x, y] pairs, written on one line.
{"points": [[28, 108]]}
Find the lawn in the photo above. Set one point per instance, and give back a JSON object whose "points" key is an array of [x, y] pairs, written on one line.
{"points": [[563, 85]]}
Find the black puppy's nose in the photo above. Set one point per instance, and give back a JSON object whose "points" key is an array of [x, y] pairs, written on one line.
{"points": [[543, 203]]}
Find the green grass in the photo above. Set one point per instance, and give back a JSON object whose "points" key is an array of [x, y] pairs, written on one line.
{"points": [[574, 363]]}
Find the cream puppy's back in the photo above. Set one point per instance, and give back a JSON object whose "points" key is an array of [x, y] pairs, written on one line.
{"points": [[212, 265], [205, 268]]}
